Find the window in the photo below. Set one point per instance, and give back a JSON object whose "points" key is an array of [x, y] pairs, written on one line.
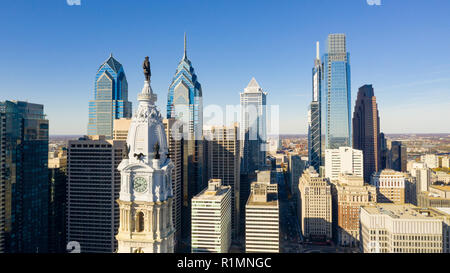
{"points": [[140, 221]]}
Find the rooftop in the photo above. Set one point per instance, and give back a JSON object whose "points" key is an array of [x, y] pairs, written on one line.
{"points": [[403, 211]]}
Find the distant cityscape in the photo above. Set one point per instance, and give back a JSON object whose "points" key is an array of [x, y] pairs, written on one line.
{"points": [[142, 181]]}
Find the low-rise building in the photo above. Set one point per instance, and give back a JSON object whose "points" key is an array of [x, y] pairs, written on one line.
{"points": [[403, 228]]}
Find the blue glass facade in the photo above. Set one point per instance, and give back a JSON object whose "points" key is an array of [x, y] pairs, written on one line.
{"points": [[336, 94], [184, 100], [110, 98], [24, 176]]}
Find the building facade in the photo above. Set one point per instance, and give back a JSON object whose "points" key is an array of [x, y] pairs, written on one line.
{"points": [[350, 193], [391, 186], [146, 194], [120, 128], [398, 156], [366, 130], [93, 185], [223, 162], [392, 228], [253, 128], [343, 160], [315, 206], [211, 219], [185, 104], [262, 217], [314, 116], [24, 189], [174, 140], [336, 93], [110, 98]]}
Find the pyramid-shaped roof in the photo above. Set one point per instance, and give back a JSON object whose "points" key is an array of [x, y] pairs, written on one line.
{"points": [[253, 86]]}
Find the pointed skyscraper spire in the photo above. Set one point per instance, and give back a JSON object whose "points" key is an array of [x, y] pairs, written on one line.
{"points": [[185, 53]]}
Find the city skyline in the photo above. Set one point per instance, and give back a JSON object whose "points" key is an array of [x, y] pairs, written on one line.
{"points": [[280, 60]]}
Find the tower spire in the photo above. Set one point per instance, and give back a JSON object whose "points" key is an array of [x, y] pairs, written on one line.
{"points": [[185, 55], [317, 50]]}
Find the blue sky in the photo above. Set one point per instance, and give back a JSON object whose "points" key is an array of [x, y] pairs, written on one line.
{"points": [[50, 51]]}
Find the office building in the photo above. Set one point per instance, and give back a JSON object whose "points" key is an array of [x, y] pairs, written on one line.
{"points": [[211, 219], [398, 156], [343, 160], [253, 127], [120, 128], [314, 116], [366, 130], [315, 206], [185, 104], [146, 194], [431, 160], [93, 184], [437, 196], [391, 186], [336, 94], [110, 98], [174, 140], [223, 162], [392, 228], [262, 217], [349, 194], [384, 152], [57, 171], [24, 189], [296, 166]]}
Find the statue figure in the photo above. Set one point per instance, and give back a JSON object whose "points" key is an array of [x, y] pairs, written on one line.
{"points": [[147, 71], [126, 151], [156, 150]]}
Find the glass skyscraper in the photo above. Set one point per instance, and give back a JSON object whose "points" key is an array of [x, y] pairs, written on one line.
{"points": [[110, 98], [185, 104], [24, 178], [314, 117], [253, 132], [336, 94]]}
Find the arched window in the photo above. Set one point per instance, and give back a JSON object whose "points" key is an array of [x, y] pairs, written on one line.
{"points": [[140, 221]]}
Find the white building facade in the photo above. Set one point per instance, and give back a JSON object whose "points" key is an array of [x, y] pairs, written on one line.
{"points": [[145, 202], [211, 219], [344, 160]]}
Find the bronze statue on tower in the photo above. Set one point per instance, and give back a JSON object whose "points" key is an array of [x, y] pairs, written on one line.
{"points": [[147, 71]]}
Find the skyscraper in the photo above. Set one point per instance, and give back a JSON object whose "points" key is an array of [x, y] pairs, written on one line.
{"points": [[253, 128], [336, 95], [314, 117], [223, 162], [92, 190], [185, 104], [146, 195], [24, 188], [366, 130], [110, 98], [211, 219], [398, 156]]}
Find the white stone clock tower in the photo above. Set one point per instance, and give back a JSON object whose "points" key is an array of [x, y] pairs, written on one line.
{"points": [[145, 200]]}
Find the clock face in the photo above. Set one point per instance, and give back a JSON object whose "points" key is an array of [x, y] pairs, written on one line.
{"points": [[140, 184]]}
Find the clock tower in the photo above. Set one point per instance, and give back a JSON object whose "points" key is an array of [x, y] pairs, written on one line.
{"points": [[145, 200]]}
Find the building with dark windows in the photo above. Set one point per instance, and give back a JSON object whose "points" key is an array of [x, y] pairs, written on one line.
{"points": [[110, 98], [336, 94], [398, 156], [93, 187], [24, 187], [185, 104], [314, 117], [366, 130]]}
